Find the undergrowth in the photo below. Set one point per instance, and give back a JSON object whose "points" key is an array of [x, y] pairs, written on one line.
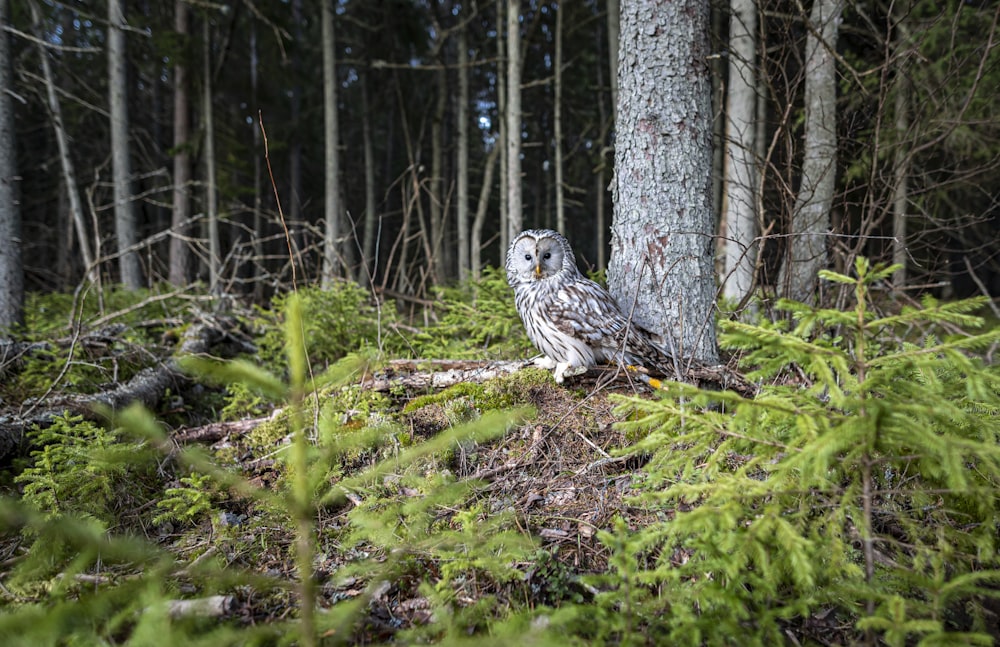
{"points": [[866, 497], [855, 499]]}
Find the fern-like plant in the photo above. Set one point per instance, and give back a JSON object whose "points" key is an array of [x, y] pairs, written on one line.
{"points": [[863, 493]]}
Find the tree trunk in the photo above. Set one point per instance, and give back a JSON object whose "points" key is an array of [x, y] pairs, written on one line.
{"points": [[807, 252], [257, 231], [295, 117], [462, 156], [661, 269], [740, 169], [211, 188], [484, 199], [557, 121], [11, 266], [126, 231], [368, 260], [331, 184], [502, 132], [901, 160], [181, 210], [436, 182], [514, 216], [614, 34], [65, 160]]}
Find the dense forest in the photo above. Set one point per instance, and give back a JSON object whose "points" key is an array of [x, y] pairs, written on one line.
{"points": [[262, 379]]}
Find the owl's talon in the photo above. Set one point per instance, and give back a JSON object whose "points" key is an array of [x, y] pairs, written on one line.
{"points": [[544, 361]]}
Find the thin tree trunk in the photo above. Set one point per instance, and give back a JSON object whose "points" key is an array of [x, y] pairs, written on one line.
{"points": [[740, 169], [295, 117], [557, 122], [502, 131], [369, 260], [901, 161], [126, 231], [331, 184], [661, 269], [65, 160], [514, 207], [181, 209], [436, 182], [481, 208], [807, 246], [11, 265], [462, 155], [257, 221], [211, 190]]}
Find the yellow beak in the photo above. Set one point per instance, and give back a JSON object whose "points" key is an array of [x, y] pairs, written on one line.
{"points": [[538, 270]]}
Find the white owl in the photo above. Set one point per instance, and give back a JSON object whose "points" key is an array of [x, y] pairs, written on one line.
{"points": [[574, 321]]}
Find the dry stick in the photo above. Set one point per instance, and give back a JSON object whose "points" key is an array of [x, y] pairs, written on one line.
{"points": [[982, 288], [277, 199]]}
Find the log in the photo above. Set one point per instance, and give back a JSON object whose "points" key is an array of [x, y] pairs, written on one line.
{"points": [[147, 386]]}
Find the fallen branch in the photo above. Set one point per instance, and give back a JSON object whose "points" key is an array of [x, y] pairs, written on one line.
{"points": [[148, 387]]}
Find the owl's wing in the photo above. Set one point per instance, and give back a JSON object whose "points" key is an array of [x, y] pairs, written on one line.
{"points": [[584, 310]]}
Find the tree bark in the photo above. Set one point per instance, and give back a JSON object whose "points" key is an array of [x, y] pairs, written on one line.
{"points": [[502, 131], [514, 207], [211, 188], [661, 269], [331, 184], [807, 245], [11, 265], [126, 230], [368, 261], [462, 156], [557, 121], [436, 181], [65, 159], [180, 253], [901, 158], [484, 199], [740, 169]]}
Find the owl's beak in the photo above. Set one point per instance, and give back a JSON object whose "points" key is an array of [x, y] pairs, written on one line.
{"points": [[538, 270]]}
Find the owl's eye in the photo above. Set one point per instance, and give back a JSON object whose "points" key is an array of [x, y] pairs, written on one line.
{"points": [[547, 256], [527, 257]]}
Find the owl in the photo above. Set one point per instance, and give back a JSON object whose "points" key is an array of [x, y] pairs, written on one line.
{"points": [[574, 322]]}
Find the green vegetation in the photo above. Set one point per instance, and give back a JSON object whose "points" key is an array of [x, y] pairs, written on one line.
{"points": [[855, 498]]}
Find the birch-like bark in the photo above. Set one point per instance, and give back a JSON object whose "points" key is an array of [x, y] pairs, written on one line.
{"points": [[807, 253], [557, 122], [740, 170]]}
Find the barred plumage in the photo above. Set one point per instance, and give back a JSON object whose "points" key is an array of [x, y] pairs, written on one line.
{"points": [[571, 319]]}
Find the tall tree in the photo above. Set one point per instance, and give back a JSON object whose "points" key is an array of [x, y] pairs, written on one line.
{"points": [[557, 125], [661, 268], [181, 209], [513, 119], [62, 142], [614, 34], [211, 183], [11, 267], [126, 227], [807, 251], [462, 155], [740, 166], [331, 185]]}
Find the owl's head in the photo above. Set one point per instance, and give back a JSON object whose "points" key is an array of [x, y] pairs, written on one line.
{"points": [[538, 254]]}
